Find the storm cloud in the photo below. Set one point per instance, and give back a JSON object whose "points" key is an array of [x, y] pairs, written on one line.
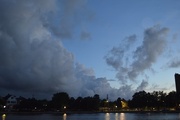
{"points": [[33, 60], [174, 63]]}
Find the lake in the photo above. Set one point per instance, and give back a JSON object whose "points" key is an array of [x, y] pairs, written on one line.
{"points": [[96, 116]]}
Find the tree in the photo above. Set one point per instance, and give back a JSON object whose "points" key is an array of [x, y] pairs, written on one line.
{"points": [[96, 102], [2, 103], [59, 100], [72, 103], [118, 103], [159, 99], [170, 99], [139, 100]]}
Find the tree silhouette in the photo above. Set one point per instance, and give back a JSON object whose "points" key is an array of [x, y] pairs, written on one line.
{"points": [[59, 100]]}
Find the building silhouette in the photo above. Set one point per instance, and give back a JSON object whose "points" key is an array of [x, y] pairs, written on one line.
{"points": [[177, 81]]}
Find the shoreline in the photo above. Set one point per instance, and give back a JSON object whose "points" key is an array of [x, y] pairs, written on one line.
{"points": [[87, 112]]}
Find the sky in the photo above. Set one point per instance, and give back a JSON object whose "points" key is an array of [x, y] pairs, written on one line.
{"points": [[87, 47]]}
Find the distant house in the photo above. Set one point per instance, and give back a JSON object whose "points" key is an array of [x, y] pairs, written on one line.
{"points": [[124, 104], [11, 102]]}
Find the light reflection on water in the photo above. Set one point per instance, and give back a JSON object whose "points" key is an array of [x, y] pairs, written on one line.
{"points": [[107, 116], [122, 116], [64, 116], [115, 116], [95, 116]]}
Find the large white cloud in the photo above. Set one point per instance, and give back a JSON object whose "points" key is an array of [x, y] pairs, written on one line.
{"points": [[130, 63]]}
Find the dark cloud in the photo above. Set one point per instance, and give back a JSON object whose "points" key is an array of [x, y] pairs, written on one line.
{"points": [[33, 61], [175, 63], [130, 40], [131, 63], [142, 86], [71, 14], [114, 57], [117, 55]]}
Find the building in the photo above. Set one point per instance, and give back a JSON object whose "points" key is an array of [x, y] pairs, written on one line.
{"points": [[11, 102], [177, 82], [124, 104]]}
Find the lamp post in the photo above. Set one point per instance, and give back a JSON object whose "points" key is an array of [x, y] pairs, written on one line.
{"points": [[64, 109]]}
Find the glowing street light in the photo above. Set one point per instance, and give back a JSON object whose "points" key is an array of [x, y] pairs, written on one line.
{"points": [[3, 116]]}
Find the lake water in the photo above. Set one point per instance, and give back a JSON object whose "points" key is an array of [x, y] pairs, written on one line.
{"points": [[97, 116]]}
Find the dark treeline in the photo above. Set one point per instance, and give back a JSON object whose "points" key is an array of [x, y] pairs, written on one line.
{"points": [[157, 100]]}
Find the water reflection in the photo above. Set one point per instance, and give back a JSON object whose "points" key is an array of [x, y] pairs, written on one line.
{"points": [[98, 116], [116, 116], [179, 115], [107, 116], [64, 116], [3, 116], [122, 116]]}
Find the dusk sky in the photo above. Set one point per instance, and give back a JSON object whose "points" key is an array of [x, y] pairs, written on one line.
{"points": [[87, 47]]}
